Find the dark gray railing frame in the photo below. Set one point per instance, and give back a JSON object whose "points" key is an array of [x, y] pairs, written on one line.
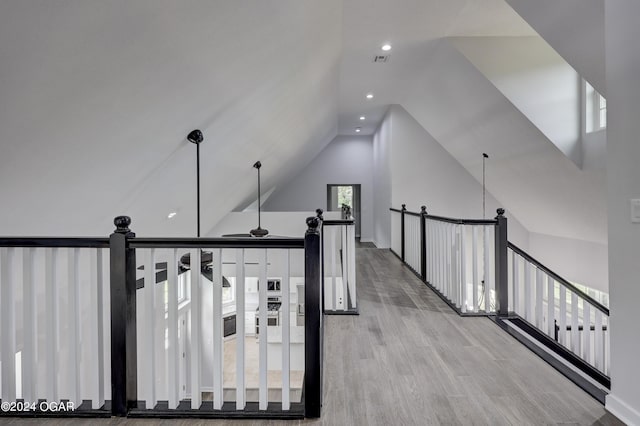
{"points": [[123, 244], [501, 243]]}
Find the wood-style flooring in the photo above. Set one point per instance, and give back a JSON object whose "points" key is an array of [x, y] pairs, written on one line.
{"points": [[407, 359]]}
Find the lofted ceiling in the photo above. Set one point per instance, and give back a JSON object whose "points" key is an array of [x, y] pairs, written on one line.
{"points": [[409, 26], [97, 98]]}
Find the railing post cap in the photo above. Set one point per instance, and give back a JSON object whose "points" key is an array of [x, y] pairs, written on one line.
{"points": [[319, 213], [404, 207], [423, 209], [122, 224], [500, 212], [312, 223]]}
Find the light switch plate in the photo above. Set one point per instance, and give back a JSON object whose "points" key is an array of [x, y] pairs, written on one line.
{"points": [[635, 211]]}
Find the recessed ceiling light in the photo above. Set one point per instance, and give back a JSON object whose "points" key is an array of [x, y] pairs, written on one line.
{"points": [[369, 95], [171, 215], [358, 129], [362, 117], [386, 47]]}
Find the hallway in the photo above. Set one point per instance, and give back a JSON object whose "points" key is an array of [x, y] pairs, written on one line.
{"points": [[409, 360]]}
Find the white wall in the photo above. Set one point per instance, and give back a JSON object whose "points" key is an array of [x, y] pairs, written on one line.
{"points": [[382, 183], [623, 181], [582, 262], [346, 160], [537, 80], [424, 173], [574, 28]]}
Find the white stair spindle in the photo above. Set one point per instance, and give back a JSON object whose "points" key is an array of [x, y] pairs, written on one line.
{"points": [[52, 334], [475, 272], [487, 272], [528, 293], [241, 391], [575, 343], [218, 335], [286, 331], [551, 308], [75, 320], [97, 300], [8, 321], [30, 309], [196, 330], [173, 357], [516, 282], [586, 331], [463, 268], [562, 320], [264, 330], [148, 334], [599, 342]]}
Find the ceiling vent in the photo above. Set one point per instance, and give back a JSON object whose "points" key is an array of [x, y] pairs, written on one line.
{"points": [[381, 58]]}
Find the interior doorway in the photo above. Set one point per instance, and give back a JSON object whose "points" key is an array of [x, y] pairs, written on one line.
{"points": [[348, 194]]}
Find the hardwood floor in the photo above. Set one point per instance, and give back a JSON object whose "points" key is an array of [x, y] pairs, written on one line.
{"points": [[407, 359]]}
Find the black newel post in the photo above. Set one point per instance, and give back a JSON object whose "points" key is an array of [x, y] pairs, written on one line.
{"points": [[423, 243], [502, 274], [312, 320], [404, 209], [124, 388]]}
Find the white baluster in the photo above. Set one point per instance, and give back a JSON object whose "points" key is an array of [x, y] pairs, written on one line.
{"points": [[539, 299], [30, 307], [97, 344], [551, 309], [516, 282], [334, 287], [147, 329], [75, 320], [262, 302], [241, 391], [286, 329], [463, 267], [196, 327], [8, 321], [599, 342], [218, 334], [574, 324], [487, 272], [53, 334], [476, 276], [586, 331], [173, 357], [562, 323], [345, 261], [528, 294]]}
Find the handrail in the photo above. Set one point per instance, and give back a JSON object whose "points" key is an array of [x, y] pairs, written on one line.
{"points": [[330, 222], [73, 242], [461, 221], [249, 242], [558, 278], [448, 219]]}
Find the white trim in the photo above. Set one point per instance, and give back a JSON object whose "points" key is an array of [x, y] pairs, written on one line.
{"points": [[622, 410]]}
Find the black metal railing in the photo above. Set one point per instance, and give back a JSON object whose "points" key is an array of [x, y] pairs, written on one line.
{"points": [[414, 251], [121, 248]]}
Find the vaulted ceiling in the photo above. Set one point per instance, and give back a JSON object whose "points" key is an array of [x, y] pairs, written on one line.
{"points": [[96, 98]]}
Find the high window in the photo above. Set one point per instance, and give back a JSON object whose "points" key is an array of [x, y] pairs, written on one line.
{"points": [[595, 109]]}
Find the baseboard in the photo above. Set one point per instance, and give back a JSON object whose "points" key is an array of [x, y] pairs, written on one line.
{"points": [[367, 240], [621, 410]]}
